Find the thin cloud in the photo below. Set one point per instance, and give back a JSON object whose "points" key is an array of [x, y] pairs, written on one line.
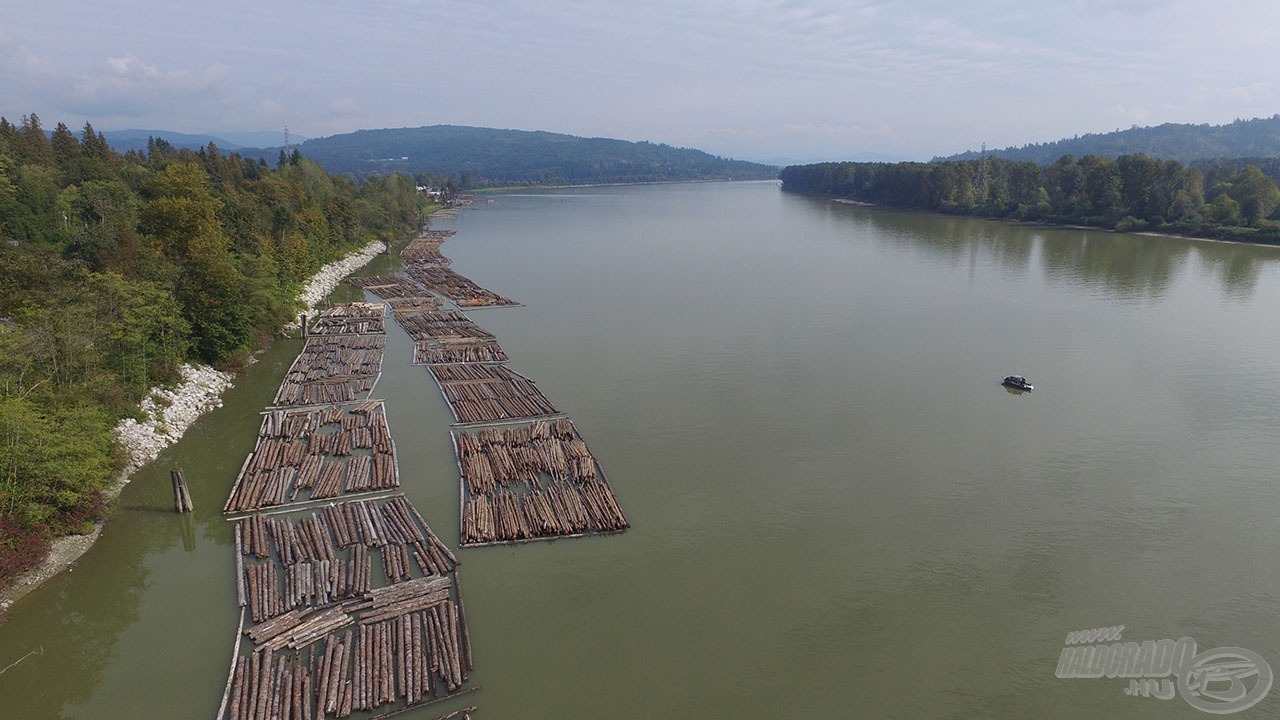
{"points": [[784, 75]]}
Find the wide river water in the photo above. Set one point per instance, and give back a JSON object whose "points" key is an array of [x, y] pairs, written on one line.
{"points": [[837, 509]]}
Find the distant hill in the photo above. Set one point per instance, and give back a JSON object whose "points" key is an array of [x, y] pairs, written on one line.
{"points": [[490, 157], [123, 141], [1258, 138]]}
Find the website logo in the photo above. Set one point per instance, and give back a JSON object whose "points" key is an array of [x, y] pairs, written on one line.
{"points": [[1220, 681]]}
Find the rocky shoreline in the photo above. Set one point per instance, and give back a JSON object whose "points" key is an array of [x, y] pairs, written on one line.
{"points": [[329, 276], [169, 412]]}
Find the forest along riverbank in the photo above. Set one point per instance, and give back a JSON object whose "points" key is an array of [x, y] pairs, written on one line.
{"points": [[169, 413]]}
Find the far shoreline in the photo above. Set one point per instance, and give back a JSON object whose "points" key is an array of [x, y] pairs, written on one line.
{"points": [[1043, 223], [509, 188]]}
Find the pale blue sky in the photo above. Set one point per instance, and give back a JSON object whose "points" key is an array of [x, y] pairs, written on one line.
{"points": [[820, 79]]}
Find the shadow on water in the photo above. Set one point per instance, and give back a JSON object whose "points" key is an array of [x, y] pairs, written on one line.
{"points": [[1122, 266], [1236, 267], [1127, 267]]}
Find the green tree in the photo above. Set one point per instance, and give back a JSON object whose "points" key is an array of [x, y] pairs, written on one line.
{"points": [[66, 149], [182, 214], [1256, 194], [30, 145]]}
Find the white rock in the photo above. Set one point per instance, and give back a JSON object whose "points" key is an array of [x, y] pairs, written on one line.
{"points": [[324, 281], [170, 412]]}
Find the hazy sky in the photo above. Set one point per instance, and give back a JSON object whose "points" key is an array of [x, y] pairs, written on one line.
{"points": [[804, 79]]}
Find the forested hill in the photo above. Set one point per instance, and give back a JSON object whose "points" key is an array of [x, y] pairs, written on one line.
{"points": [[480, 157], [117, 269], [1258, 138]]}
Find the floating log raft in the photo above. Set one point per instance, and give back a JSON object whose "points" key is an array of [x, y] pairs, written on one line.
{"points": [[536, 481], [487, 393], [403, 307], [316, 453], [333, 369], [350, 319], [390, 287], [461, 290], [334, 631], [427, 249], [328, 638], [292, 565], [456, 351], [442, 325]]}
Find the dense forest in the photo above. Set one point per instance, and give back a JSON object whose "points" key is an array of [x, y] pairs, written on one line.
{"points": [[485, 157], [1259, 137], [1228, 200], [117, 269]]}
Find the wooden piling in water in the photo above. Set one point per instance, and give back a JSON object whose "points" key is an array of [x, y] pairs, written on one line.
{"points": [[181, 496]]}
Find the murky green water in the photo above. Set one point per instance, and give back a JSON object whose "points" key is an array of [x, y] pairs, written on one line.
{"points": [[837, 510]]}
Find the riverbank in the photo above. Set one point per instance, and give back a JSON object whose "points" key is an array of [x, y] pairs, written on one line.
{"points": [[1063, 226], [170, 412]]}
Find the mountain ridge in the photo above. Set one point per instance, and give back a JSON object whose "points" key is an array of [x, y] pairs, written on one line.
{"points": [[477, 156], [1184, 142]]}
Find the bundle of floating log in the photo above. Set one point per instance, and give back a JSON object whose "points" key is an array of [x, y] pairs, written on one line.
{"points": [[532, 481], [426, 239], [301, 450], [316, 570], [425, 250], [326, 558], [558, 510], [403, 642], [262, 591], [484, 393], [307, 584], [405, 655], [332, 369], [350, 319], [451, 351], [458, 288], [441, 324], [502, 456], [391, 287], [369, 523], [263, 686], [402, 307]]}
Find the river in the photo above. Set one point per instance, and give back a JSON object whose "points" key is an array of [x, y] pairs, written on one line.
{"points": [[837, 509]]}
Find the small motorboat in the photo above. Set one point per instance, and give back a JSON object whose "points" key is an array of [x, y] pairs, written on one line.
{"points": [[1017, 382]]}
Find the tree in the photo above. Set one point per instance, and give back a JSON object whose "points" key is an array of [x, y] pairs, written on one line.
{"points": [[1138, 174], [66, 149], [1256, 194], [182, 214], [31, 146], [1102, 185]]}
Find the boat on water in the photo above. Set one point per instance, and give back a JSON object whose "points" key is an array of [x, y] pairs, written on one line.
{"points": [[1017, 382]]}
